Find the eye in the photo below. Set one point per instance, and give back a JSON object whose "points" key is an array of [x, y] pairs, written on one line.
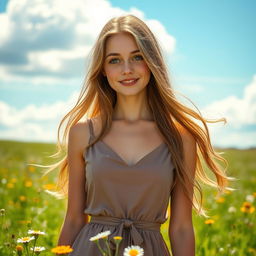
{"points": [[114, 61], [137, 57]]}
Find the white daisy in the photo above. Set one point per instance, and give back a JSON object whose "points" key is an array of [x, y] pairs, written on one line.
{"points": [[133, 250], [38, 249], [36, 232], [25, 239], [100, 235]]}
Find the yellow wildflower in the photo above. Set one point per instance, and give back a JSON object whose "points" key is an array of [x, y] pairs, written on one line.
{"points": [[22, 198], [220, 200], [10, 185], [62, 249], [247, 208], [19, 248], [117, 238], [209, 222], [28, 183]]}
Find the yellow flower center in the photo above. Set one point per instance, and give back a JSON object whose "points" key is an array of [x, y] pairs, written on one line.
{"points": [[133, 252]]}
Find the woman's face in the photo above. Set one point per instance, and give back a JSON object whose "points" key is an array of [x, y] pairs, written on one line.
{"points": [[124, 66]]}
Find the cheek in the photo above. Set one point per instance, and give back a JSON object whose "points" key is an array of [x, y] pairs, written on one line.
{"points": [[144, 69], [110, 72]]}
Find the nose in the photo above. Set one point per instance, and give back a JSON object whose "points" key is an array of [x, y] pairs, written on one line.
{"points": [[127, 68]]}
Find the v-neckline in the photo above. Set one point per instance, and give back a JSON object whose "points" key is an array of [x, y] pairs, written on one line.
{"points": [[140, 160]]}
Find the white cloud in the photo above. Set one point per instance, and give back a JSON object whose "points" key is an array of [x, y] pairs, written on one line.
{"points": [[51, 38], [11, 117], [34, 123], [238, 111]]}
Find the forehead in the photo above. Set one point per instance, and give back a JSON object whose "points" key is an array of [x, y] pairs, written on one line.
{"points": [[121, 42]]}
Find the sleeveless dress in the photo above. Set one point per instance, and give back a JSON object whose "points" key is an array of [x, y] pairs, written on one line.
{"points": [[129, 200]]}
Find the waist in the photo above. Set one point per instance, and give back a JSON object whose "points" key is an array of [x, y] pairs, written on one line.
{"points": [[127, 223]]}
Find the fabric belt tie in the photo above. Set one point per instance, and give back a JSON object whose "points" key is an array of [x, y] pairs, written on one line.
{"points": [[134, 236]]}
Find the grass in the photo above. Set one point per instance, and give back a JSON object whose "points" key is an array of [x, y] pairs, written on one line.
{"points": [[27, 206]]}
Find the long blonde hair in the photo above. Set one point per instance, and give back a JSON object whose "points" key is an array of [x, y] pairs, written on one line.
{"points": [[97, 98]]}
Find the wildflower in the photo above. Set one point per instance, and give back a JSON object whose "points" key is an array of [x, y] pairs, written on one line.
{"points": [[36, 232], [4, 181], [100, 235], [247, 207], [133, 250], [2, 212], [26, 239], [220, 200], [19, 250], [10, 185], [22, 198], [209, 222], [37, 249], [221, 249], [28, 183], [62, 249], [250, 198], [117, 240], [231, 209]]}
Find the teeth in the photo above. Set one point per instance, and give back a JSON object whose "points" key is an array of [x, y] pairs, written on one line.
{"points": [[128, 81]]}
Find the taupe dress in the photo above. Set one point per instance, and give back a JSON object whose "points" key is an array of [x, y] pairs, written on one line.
{"points": [[128, 200]]}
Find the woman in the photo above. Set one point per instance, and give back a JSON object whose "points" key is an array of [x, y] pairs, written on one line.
{"points": [[137, 149]]}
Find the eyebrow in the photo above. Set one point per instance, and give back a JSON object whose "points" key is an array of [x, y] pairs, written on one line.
{"points": [[117, 54]]}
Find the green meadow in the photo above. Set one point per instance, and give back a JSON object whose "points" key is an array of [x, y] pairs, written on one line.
{"points": [[25, 204]]}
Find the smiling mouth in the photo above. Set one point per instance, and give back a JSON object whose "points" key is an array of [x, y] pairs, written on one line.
{"points": [[129, 82]]}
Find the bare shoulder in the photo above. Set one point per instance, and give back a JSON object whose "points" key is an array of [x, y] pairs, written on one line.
{"points": [[79, 135]]}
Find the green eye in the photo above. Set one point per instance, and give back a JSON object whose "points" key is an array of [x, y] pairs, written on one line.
{"points": [[138, 57], [114, 61]]}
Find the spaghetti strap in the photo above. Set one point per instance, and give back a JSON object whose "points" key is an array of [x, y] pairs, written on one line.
{"points": [[91, 130]]}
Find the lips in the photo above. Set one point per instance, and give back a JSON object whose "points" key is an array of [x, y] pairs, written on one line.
{"points": [[129, 82]]}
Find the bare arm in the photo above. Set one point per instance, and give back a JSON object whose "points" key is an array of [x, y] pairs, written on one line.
{"points": [[75, 218], [181, 232]]}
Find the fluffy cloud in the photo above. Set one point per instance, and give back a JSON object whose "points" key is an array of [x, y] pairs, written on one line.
{"points": [[240, 114], [51, 38], [34, 123], [238, 111], [12, 117]]}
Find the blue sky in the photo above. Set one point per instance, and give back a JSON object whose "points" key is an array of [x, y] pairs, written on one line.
{"points": [[209, 47]]}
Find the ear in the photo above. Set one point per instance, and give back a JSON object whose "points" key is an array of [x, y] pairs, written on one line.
{"points": [[103, 72]]}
